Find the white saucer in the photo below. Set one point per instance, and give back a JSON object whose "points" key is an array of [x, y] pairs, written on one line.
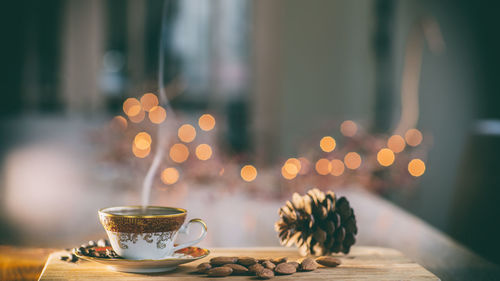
{"points": [[182, 256]]}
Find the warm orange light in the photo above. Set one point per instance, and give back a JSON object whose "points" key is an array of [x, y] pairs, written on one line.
{"points": [[142, 140], [286, 174], [186, 133], [352, 160], [138, 117], [413, 137], [337, 167], [203, 151], [396, 143], [385, 157], [304, 166], [293, 166], [348, 128], [148, 101], [416, 167], [221, 172], [170, 176], [119, 123], [179, 152], [248, 173], [140, 153], [323, 166], [327, 144], [206, 122], [157, 114], [131, 107]]}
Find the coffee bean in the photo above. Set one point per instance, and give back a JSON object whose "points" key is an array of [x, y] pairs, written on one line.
{"points": [[262, 260], [265, 274], [285, 268], [64, 258], [269, 265], [218, 261], [82, 251], [247, 261], [220, 271], [328, 261], [237, 269], [203, 267], [73, 258], [255, 268], [294, 263], [91, 253], [103, 255], [308, 264], [279, 260]]}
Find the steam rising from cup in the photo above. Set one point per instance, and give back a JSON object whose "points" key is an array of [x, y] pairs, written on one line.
{"points": [[163, 100]]}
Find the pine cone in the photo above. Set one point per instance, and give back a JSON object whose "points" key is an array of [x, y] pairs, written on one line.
{"points": [[318, 224]]}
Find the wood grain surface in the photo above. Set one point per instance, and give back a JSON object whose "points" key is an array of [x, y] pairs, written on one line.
{"points": [[363, 263]]}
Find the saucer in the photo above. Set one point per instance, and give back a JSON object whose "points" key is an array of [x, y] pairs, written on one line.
{"points": [[181, 256]]}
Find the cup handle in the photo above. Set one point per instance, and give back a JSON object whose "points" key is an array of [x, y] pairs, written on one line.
{"points": [[196, 241]]}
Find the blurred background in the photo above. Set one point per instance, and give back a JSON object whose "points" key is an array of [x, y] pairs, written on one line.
{"points": [[272, 80]]}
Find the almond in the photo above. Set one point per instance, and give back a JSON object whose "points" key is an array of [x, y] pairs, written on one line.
{"points": [[218, 261], [279, 260], [255, 268], [220, 271], [265, 274], [285, 268], [247, 261], [308, 264], [294, 263], [269, 265], [203, 268], [237, 269], [328, 261]]}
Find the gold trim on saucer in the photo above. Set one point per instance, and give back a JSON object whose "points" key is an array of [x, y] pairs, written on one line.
{"points": [[99, 259]]}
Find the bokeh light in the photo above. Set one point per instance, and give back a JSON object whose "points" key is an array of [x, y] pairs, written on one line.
{"points": [[131, 107], [385, 157], [352, 160], [323, 166], [396, 143], [203, 151], [304, 166], [186, 133], [142, 140], [293, 166], [140, 153], [148, 101], [348, 128], [138, 117], [179, 152], [327, 144], [119, 123], [157, 114], [413, 137], [286, 174], [248, 173], [337, 167], [170, 175], [206, 122], [416, 167]]}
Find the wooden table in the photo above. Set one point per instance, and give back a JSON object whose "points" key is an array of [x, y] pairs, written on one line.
{"points": [[381, 223], [362, 263]]}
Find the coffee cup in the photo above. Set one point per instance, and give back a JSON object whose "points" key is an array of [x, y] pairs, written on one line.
{"points": [[138, 233]]}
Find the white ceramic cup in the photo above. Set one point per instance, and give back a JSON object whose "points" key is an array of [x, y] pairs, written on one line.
{"points": [[146, 233]]}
